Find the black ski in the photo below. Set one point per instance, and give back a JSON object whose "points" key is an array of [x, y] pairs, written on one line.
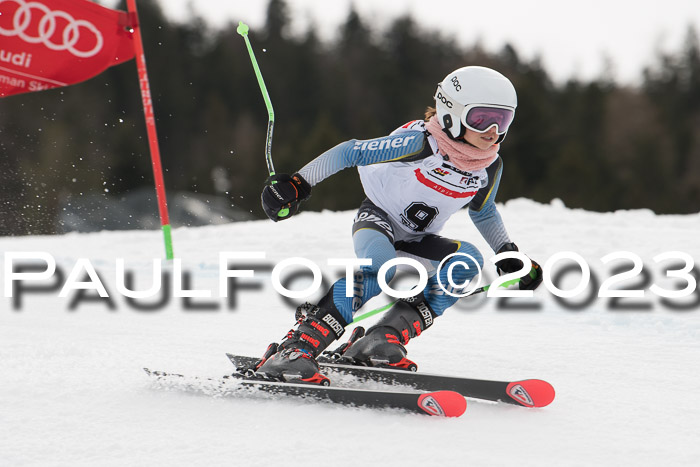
{"points": [[437, 403], [526, 393]]}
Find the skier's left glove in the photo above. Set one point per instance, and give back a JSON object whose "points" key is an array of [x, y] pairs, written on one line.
{"points": [[505, 266], [284, 191]]}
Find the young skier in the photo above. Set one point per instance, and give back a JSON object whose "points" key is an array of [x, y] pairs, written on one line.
{"points": [[415, 179]]}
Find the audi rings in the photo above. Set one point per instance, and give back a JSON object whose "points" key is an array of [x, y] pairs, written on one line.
{"points": [[47, 27]]}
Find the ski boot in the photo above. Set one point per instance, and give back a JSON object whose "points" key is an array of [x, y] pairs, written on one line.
{"points": [[295, 359], [383, 344]]}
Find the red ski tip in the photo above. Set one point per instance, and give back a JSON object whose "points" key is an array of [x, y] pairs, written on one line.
{"points": [[443, 403], [531, 392]]}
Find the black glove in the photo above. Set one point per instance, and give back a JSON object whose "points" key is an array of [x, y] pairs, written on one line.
{"points": [[284, 192], [504, 266]]}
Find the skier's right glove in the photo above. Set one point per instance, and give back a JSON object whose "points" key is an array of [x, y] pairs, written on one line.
{"points": [[504, 266], [284, 192]]}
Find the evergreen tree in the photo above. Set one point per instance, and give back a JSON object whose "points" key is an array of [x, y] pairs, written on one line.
{"points": [[594, 144]]}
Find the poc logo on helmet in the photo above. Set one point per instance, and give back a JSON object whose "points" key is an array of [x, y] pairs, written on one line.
{"points": [[455, 83], [444, 100]]}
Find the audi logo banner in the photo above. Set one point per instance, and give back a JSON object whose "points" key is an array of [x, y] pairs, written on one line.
{"points": [[50, 43]]}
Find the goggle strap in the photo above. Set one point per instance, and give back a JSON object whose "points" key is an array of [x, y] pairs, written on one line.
{"points": [[461, 110]]}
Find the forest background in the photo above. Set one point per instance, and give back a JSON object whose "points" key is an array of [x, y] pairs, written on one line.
{"points": [[596, 145]]}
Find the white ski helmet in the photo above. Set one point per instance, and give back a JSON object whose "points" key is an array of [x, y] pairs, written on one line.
{"points": [[477, 98]]}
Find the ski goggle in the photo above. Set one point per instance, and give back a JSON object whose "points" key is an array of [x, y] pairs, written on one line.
{"points": [[479, 117]]}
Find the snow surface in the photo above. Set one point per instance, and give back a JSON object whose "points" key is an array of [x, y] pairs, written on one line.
{"points": [[73, 393]]}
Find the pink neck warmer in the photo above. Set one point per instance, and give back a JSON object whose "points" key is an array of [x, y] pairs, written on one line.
{"points": [[464, 156]]}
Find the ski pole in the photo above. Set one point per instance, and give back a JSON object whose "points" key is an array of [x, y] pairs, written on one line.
{"points": [[390, 304], [243, 31], [487, 287]]}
